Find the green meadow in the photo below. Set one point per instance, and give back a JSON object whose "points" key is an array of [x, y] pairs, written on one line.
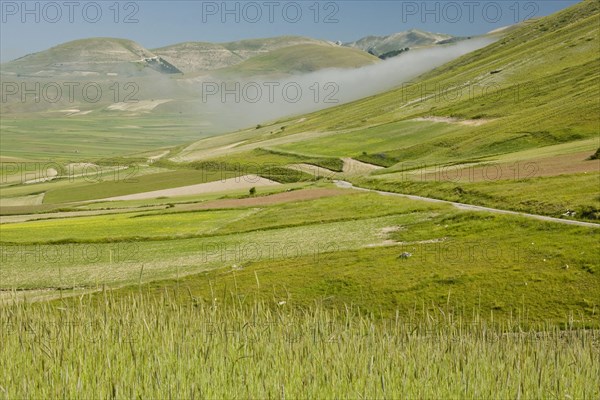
{"points": [[308, 287], [153, 349], [100, 134], [344, 248]]}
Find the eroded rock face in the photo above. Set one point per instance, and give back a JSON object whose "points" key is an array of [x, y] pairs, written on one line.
{"points": [[194, 57]]}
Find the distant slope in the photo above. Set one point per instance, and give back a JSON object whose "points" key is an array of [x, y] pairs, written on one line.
{"points": [[89, 57], [380, 45], [111, 57], [511, 126], [201, 56], [126, 72], [537, 86], [302, 58]]}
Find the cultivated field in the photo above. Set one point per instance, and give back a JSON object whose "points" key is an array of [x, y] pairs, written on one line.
{"points": [[144, 256]]}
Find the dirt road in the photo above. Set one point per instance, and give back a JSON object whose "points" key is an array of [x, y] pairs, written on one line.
{"points": [[470, 207]]}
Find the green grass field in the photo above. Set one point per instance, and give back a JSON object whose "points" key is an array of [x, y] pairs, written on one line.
{"points": [[304, 289], [299, 59], [100, 134], [260, 350], [520, 114], [346, 247]]}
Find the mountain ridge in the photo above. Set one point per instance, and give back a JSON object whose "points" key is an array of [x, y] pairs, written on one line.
{"points": [[95, 56], [380, 45], [89, 57]]}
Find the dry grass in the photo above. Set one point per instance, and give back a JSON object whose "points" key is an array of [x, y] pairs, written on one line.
{"points": [[153, 347]]}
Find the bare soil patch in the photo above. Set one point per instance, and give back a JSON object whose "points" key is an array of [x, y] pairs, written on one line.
{"points": [[354, 167], [243, 182], [575, 163], [285, 197], [450, 120]]}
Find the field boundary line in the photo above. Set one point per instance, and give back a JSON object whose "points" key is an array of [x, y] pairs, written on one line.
{"points": [[469, 207]]}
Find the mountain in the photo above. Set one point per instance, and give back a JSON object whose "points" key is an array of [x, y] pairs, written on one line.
{"points": [[381, 45], [98, 57], [203, 56], [167, 74], [513, 125], [159, 80], [299, 59], [537, 86], [110, 57], [88, 58]]}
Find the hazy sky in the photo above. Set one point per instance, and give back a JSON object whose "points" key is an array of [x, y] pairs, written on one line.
{"points": [[30, 26]]}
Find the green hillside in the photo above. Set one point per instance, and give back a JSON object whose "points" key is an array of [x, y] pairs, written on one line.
{"points": [[292, 259], [193, 57], [379, 45], [536, 87], [300, 59], [95, 57], [547, 66]]}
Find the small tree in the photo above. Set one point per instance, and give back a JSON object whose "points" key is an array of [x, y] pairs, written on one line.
{"points": [[252, 191]]}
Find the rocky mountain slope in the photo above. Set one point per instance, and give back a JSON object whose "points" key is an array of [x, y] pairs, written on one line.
{"points": [[380, 45]]}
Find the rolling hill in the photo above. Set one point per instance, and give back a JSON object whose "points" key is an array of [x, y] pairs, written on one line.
{"points": [[299, 59], [537, 88], [96, 57], [111, 58], [101, 57], [380, 45], [203, 56], [438, 240]]}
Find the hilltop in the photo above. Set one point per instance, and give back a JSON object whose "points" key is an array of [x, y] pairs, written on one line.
{"points": [[97, 57], [381, 45], [204, 56], [111, 57], [300, 59]]}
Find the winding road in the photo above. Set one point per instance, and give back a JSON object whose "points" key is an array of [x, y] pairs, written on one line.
{"points": [[469, 207]]}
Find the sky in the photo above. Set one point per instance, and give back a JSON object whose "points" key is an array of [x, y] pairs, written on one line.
{"points": [[31, 26]]}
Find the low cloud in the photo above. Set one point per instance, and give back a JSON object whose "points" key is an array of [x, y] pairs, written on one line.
{"points": [[239, 103]]}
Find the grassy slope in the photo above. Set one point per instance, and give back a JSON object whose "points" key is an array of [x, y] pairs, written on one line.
{"points": [[554, 60], [547, 66], [300, 59], [142, 347], [544, 95], [344, 249], [453, 313]]}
